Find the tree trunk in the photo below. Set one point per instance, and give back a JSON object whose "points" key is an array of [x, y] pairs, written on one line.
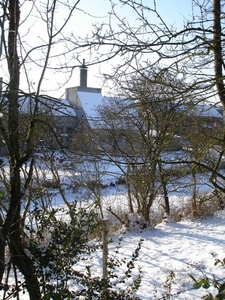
{"points": [[105, 249], [194, 192], [12, 229], [2, 255], [129, 188], [217, 48], [17, 245], [164, 187]]}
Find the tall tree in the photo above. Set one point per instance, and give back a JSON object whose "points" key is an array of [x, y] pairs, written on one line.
{"points": [[12, 229], [141, 125], [218, 41], [192, 51], [18, 56]]}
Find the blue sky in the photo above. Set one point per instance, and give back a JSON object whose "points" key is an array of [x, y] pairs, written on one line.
{"points": [[172, 11], [89, 12]]}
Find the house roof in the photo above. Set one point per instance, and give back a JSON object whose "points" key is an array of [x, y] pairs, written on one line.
{"points": [[50, 106], [205, 111], [64, 107], [90, 102]]}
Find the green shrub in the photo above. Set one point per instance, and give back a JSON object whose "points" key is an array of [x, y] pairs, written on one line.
{"points": [[206, 282], [61, 240]]}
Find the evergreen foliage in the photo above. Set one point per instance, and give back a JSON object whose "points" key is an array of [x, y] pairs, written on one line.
{"points": [[207, 282], [65, 236]]}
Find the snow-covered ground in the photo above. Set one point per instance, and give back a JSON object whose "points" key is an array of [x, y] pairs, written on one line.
{"points": [[170, 249], [178, 249], [183, 248]]}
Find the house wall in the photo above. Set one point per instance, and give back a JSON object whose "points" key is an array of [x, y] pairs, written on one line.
{"points": [[72, 95]]}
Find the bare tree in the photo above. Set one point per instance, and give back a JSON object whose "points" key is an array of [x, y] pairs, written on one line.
{"points": [[190, 52], [141, 125], [193, 51], [17, 54]]}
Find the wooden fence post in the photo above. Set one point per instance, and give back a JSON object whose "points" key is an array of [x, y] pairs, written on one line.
{"points": [[105, 248]]}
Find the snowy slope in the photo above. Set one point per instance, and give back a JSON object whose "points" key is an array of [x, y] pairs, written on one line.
{"points": [[185, 248]]}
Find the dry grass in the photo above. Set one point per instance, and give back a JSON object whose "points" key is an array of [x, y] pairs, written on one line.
{"points": [[205, 206]]}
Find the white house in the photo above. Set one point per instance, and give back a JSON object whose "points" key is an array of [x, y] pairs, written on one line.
{"points": [[85, 100]]}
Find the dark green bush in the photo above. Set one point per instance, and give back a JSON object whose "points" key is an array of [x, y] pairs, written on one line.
{"points": [[60, 240]]}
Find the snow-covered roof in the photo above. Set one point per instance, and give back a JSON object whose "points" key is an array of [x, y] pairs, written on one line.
{"points": [[205, 111], [50, 106], [90, 102], [64, 107]]}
